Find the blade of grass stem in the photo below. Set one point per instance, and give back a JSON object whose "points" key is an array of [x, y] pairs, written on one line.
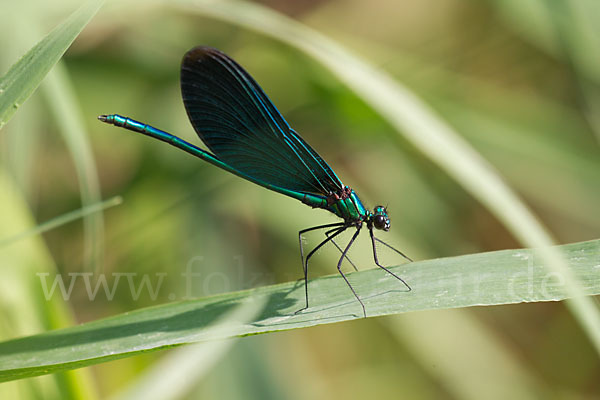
{"points": [[501, 277], [62, 220]]}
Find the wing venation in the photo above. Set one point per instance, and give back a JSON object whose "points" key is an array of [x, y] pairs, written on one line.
{"points": [[241, 126]]}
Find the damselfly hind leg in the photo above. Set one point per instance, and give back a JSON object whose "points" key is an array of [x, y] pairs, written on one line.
{"points": [[340, 227]]}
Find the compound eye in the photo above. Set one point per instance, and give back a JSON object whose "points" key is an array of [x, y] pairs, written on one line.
{"points": [[379, 222]]}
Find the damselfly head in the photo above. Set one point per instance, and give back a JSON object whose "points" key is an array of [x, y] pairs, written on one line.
{"points": [[380, 218]]}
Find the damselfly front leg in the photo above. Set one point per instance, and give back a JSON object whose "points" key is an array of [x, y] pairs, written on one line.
{"points": [[373, 239]]}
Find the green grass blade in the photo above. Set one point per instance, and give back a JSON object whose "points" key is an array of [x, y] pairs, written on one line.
{"points": [[62, 102], [63, 105], [27, 73], [501, 277], [62, 220], [423, 127], [178, 372]]}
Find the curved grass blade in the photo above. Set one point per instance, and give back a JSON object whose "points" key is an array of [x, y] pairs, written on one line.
{"points": [[419, 124], [62, 220], [27, 73], [176, 373], [62, 101], [501, 277]]}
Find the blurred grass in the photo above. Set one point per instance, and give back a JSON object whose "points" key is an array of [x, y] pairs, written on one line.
{"points": [[63, 105], [60, 220], [25, 312], [500, 77], [569, 31], [488, 368], [175, 375]]}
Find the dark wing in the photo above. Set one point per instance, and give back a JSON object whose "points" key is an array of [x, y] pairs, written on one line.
{"points": [[239, 124]]}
